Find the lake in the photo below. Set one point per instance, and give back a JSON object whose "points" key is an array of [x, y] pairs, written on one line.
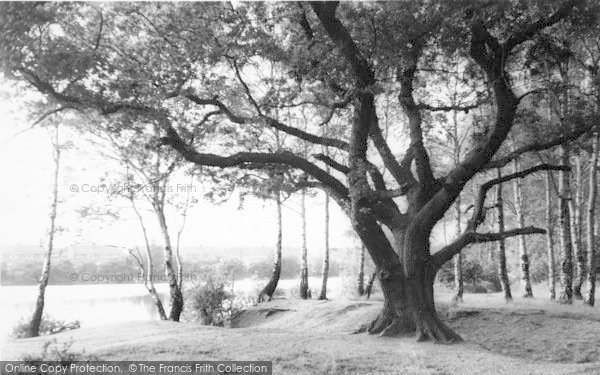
{"points": [[97, 304]]}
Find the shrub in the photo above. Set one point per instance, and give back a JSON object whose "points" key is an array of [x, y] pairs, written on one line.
{"points": [[48, 326], [53, 351], [210, 302]]}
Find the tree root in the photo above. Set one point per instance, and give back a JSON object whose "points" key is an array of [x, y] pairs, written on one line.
{"points": [[388, 325], [428, 328], [263, 297], [432, 328]]}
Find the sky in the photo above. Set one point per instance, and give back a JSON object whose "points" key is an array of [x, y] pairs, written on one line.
{"points": [[25, 195], [27, 170]]}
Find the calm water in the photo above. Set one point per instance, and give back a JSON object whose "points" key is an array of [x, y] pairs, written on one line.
{"points": [[97, 304], [90, 304]]}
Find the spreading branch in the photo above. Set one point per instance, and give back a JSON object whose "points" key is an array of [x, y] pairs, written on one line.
{"points": [[47, 114], [343, 40], [530, 30], [406, 76], [252, 159], [337, 105], [486, 51], [448, 108], [332, 163], [399, 170], [470, 237], [270, 121], [394, 193], [538, 146], [480, 209]]}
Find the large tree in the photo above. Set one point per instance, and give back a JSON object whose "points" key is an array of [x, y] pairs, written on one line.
{"points": [[338, 60]]}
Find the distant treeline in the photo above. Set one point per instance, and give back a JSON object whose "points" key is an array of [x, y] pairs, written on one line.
{"points": [[64, 271]]}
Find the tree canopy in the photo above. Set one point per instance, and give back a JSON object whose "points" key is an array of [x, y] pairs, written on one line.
{"points": [[218, 78]]}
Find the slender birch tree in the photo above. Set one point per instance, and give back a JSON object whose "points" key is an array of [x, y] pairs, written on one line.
{"points": [[36, 319]]}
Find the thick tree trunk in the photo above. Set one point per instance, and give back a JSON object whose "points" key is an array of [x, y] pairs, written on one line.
{"points": [[36, 319], [502, 270], [267, 292], [407, 287], [520, 209], [550, 236], [458, 277], [325, 270], [304, 292], [575, 216], [409, 307], [591, 222], [566, 268], [360, 282]]}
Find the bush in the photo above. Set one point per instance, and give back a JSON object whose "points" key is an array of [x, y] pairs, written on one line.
{"points": [[210, 302], [62, 353], [48, 326]]}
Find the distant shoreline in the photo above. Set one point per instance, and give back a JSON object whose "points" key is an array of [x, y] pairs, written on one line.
{"points": [[77, 283]]}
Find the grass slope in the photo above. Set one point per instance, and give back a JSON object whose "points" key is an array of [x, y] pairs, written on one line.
{"points": [[313, 337]]}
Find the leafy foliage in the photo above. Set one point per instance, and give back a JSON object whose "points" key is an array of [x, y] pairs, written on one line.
{"points": [[207, 301], [48, 326], [62, 353]]}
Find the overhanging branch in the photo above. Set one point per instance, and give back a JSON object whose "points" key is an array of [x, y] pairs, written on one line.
{"points": [[448, 108], [530, 30], [468, 237], [537, 146], [394, 193], [479, 213], [270, 121], [332, 163], [246, 159], [48, 114]]}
